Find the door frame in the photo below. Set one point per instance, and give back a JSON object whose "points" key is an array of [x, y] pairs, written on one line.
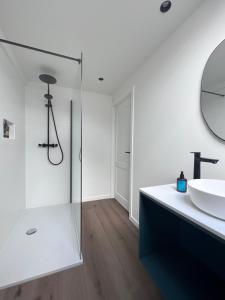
{"points": [[128, 93]]}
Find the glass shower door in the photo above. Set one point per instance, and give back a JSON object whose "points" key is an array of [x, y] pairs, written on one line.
{"points": [[76, 155]]}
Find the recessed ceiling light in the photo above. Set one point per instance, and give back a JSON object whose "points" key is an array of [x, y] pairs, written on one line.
{"points": [[165, 6], [100, 78]]}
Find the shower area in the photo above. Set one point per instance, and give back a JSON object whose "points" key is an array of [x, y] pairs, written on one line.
{"points": [[41, 162]]}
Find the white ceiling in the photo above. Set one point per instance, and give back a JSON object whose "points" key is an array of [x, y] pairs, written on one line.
{"points": [[115, 36]]}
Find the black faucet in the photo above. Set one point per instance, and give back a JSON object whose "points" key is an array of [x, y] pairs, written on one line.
{"points": [[197, 163]]}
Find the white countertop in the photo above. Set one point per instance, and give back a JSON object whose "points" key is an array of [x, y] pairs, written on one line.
{"points": [[181, 203]]}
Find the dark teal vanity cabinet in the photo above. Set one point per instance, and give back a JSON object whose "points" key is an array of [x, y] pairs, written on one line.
{"points": [[184, 256]]}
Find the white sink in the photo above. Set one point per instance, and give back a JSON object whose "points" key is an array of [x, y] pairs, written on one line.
{"points": [[209, 196]]}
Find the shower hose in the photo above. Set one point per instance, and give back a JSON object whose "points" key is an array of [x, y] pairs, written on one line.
{"points": [[50, 109]]}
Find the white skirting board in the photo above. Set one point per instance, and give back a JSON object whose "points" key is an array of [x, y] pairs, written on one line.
{"points": [[97, 197], [122, 201], [134, 221]]}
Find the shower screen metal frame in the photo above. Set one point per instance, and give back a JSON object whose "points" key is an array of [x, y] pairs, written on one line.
{"points": [[80, 62]]}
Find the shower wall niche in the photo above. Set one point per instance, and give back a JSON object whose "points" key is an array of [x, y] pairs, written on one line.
{"points": [[8, 129], [35, 193]]}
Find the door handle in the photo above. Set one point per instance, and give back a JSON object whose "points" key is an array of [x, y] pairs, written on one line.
{"points": [[128, 152]]}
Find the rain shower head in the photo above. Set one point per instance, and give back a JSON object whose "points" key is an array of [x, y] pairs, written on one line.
{"points": [[47, 79]]}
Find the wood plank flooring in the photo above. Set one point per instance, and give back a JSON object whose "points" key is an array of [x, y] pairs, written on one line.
{"points": [[111, 269]]}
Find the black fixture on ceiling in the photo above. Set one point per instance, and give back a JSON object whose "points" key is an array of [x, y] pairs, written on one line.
{"points": [[100, 78], [165, 6]]}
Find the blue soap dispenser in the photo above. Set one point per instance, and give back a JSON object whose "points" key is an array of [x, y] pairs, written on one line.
{"points": [[182, 183]]}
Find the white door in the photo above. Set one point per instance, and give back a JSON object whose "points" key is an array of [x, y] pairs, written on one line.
{"points": [[122, 153]]}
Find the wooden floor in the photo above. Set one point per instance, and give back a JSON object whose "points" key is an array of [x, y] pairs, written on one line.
{"points": [[111, 269]]}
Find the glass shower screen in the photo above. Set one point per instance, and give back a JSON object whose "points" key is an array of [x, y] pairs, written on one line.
{"points": [[40, 162]]}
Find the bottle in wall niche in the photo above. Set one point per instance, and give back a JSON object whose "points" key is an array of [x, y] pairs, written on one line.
{"points": [[182, 183], [5, 129]]}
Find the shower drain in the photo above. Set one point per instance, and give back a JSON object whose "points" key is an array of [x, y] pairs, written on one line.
{"points": [[31, 231]]}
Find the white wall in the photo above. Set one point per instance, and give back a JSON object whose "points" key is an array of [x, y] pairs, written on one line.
{"points": [[167, 118], [47, 184], [97, 141], [12, 152]]}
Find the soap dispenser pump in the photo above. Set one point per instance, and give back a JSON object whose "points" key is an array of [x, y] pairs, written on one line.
{"points": [[182, 183]]}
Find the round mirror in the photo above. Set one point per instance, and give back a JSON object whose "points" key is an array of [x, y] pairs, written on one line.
{"points": [[213, 92]]}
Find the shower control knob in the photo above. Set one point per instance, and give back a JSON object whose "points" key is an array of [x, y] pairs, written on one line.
{"points": [[48, 145], [42, 145]]}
